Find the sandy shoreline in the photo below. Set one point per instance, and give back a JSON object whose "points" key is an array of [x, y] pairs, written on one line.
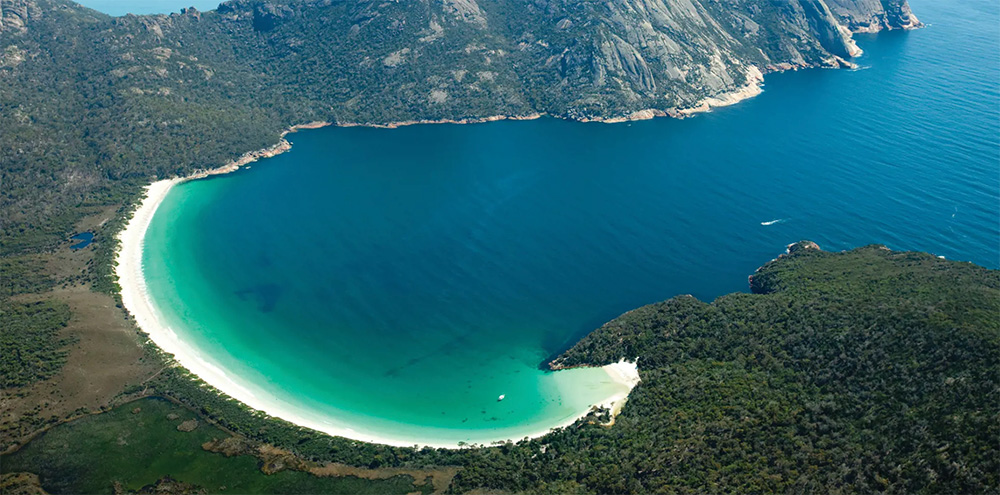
{"points": [[753, 87]]}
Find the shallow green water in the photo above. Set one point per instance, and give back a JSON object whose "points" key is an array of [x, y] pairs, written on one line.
{"points": [[292, 328]]}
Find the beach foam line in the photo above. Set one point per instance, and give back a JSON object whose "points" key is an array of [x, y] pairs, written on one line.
{"points": [[138, 302]]}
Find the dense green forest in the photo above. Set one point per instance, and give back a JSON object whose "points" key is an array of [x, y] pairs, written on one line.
{"points": [[32, 347], [862, 371], [866, 371]]}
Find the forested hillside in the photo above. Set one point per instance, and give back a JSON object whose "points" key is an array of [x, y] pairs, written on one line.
{"points": [[864, 371]]}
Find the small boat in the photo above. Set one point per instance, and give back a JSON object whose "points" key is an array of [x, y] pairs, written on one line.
{"points": [[501, 397]]}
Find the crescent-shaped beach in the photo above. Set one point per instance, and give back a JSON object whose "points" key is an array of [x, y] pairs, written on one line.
{"points": [[150, 319]]}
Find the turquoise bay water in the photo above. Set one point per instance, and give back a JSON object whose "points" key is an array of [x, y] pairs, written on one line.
{"points": [[398, 281]]}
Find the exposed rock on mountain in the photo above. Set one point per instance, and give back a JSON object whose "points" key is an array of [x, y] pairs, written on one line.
{"points": [[581, 59], [874, 15], [15, 13], [466, 10]]}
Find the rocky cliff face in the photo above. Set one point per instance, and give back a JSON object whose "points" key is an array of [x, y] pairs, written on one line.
{"points": [[874, 15], [581, 58], [15, 13], [684, 50]]}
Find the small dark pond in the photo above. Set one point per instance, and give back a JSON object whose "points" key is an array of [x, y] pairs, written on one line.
{"points": [[85, 239]]}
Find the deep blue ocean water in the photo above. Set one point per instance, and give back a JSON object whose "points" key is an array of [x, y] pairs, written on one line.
{"points": [[398, 280]]}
